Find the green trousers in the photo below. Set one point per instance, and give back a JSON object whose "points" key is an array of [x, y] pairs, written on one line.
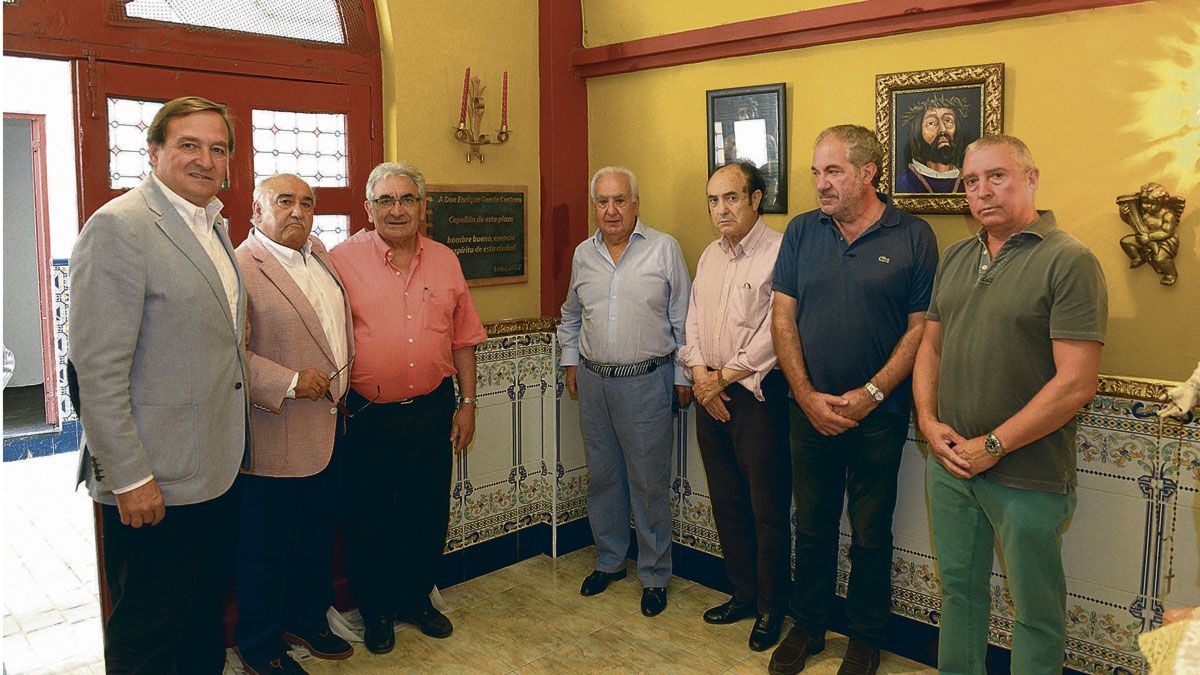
{"points": [[968, 517]]}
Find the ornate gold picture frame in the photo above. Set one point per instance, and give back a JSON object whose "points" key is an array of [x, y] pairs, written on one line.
{"points": [[925, 119]]}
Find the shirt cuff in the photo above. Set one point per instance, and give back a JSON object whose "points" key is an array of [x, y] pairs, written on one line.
{"points": [[569, 357], [291, 392], [133, 486]]}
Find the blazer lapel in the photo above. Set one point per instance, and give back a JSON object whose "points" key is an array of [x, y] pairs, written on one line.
{"points": [[273, 270], [172, 225]]}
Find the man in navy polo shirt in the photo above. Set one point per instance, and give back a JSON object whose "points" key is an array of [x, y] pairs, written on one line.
{"points": [[851, 286]]}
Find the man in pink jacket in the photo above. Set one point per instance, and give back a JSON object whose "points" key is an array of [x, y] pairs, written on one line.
{"points": [[300, 343]]}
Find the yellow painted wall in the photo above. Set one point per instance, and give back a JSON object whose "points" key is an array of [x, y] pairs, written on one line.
{"points": [[1106, 98], [608, 21], [426, 48]]}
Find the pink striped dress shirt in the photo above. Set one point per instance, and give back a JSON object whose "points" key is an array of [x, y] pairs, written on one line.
{"points": [[729, 315]]}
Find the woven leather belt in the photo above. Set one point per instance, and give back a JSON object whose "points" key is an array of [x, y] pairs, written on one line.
{"points": [[624, 369]]}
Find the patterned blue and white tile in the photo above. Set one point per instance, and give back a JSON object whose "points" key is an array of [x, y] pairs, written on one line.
{"points": [[528, 414], [1116, 460], [490, 506], [494, 448], [572, 487], [1181, 560], [1102, 636], [570, 441], [1093, 554]]}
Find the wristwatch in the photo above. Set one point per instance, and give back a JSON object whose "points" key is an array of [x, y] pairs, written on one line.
{"points": [[875, 392], [466, 400], [992, 445], [721, 381]]}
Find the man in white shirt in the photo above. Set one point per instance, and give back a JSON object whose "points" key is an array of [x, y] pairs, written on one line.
{"points": [[300, 344], [157, 316]]}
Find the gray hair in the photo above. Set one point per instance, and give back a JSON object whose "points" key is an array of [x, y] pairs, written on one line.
{"points": [[260, 190], [862, 146], [1020, 151], [395, 169], [618, 170]]}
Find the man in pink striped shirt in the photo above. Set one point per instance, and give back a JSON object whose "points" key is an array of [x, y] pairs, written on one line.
{"points": [[741, 423], [414, 327]]}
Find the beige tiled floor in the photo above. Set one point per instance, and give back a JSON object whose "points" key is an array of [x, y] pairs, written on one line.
{"points": [[530, 618]]}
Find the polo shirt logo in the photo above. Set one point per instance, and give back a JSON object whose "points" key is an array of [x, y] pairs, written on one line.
{"points": [[884, 259]]}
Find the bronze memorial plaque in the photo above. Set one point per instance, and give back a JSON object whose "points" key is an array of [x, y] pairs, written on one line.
{"points": [[485, 226]]}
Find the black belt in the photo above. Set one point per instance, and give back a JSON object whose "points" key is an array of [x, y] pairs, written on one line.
{"points": [[624, 369]]}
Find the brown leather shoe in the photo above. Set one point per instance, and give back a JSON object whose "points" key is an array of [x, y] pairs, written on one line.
{"points": [[860, 659], [790, 655]]}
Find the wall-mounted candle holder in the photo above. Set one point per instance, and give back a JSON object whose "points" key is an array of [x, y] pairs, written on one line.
{"points": [[473, 108]]}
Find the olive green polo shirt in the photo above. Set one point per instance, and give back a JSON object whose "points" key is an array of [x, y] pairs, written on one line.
{"points": [[998, 318]]}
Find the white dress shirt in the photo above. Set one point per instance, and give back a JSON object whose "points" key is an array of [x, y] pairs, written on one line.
{"points": [[323, 293]]}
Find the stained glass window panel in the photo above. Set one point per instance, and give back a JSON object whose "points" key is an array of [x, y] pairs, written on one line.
{"points": [[311, 145], [331, 230], [128, 152]]}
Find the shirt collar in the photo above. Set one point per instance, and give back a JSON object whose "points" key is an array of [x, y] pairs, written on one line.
{"points": [[283, 253], [639, 230], [1040, 228], [748, 242], [188, 211], [384, 249]]}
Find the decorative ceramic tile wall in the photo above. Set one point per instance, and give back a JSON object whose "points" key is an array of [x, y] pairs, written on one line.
{"points": [[61, 297], [503, 483], [1132, 547]]}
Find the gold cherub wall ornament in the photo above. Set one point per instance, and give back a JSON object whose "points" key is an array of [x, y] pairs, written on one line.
{"points": [[1154, 216]]}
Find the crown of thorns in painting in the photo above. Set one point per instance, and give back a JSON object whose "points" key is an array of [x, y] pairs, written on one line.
{"points": [[917, 110]]}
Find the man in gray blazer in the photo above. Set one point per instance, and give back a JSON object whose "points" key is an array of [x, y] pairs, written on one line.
{"points": [[157, 316]]}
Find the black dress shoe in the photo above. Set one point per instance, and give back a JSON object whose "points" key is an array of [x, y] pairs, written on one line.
{"points": [[380, 635], [323, 645], [765, 633], [860, 659], [431, 622], [654, 601], [793, 652], [597, 581], [731, 611]]}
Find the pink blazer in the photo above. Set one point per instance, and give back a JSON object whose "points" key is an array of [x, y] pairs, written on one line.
{"points": [[290, 437]]}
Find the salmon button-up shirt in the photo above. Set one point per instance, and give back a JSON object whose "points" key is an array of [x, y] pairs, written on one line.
{"points": [[729, 316], [405, 327]]}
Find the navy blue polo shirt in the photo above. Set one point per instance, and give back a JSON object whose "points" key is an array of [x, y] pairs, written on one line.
{"points": [[854, 300]]}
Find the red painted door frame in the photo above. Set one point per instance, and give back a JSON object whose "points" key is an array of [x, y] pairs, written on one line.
{"points": [[41, 222], [564, 147]]}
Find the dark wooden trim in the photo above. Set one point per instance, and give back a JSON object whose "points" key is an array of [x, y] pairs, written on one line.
{"points": [[564, 148], [842, 23]]}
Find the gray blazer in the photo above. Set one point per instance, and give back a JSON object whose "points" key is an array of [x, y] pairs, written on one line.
{"points": [[161, 365]]}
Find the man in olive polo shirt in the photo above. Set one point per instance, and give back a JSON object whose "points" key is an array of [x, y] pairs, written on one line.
{"points": [[1010, 353]]}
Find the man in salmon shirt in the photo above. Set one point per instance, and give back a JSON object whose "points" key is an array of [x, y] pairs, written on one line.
{"points": [[414, 327]]}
